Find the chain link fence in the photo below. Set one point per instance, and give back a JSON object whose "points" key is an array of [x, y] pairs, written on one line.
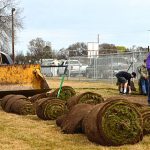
{"points": [[102, 67]]}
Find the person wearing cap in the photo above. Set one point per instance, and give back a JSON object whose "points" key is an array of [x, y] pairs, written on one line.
{"points": [[124, 78]]}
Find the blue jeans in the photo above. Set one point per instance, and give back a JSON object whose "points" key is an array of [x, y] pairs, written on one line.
{"points": [[144, 85]]}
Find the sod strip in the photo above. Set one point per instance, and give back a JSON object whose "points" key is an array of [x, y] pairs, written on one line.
{"points": [[60, 119], [65, 94], [5, 99], [51, 109], [119, 123], [72, 123], [55, 108], [114, 123], [27, 109], [87, 98], [36, 97], [145, 111], [22, 107]]}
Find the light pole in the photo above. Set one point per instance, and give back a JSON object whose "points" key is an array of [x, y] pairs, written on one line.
{"points": [[13, 51]]}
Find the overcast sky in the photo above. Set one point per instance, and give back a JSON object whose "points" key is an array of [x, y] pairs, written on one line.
{"points": [[64, 22]]}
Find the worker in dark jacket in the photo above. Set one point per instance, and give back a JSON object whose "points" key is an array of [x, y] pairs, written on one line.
{"points": [[124, 79]]}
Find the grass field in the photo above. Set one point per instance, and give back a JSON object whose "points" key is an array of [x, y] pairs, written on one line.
{"points": [[31, 133]]}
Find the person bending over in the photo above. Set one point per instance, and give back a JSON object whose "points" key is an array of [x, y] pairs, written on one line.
{"points": [[124, 79]]}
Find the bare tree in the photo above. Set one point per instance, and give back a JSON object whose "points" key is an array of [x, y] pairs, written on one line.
{"points": [[6, 7], [39, 49]]}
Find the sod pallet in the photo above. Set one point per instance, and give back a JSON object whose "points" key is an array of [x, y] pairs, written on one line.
{"points": [[114, 123], [86, 97]]}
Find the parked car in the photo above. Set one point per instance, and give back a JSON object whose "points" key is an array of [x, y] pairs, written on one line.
{"points": [[74, 68]]}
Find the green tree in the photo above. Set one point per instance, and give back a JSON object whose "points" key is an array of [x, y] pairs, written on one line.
{"points": [[106, 48], [121, 48], [47, 52], [77, 49]]}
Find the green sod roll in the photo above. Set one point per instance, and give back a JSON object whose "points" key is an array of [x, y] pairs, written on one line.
{"points": [[72, 122], [65, 93], [114, 123], [87, 98], [50, 109]]}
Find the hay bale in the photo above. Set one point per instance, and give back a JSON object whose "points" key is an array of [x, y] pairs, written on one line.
{"points": [[87, 98], [72, 122], [114, 123], [65, 94], [50, 109]]}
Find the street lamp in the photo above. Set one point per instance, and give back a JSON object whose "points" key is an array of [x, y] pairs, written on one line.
{"points": [[13, 52]]}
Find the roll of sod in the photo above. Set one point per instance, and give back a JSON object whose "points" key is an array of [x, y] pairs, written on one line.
{"points": [[72, 123], [114, 123], [60, 119], [65, 94], [145, 111], [138, 105], [87, 98], [5, 99], [22, 107], [8, 100], [36, 97], [115, 98], [11, 101], [50, 109]]}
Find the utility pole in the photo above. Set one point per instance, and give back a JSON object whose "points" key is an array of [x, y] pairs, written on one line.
{"points": [[13, 51]]}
